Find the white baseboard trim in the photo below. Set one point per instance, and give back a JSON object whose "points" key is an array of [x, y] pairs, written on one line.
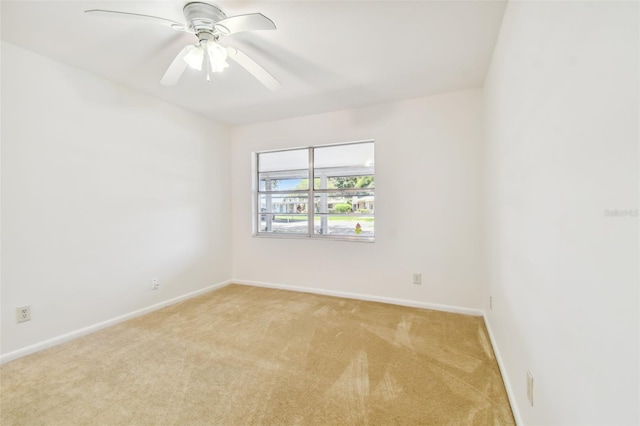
{"points": [[10, 356], [367, 297], [503, 372]]}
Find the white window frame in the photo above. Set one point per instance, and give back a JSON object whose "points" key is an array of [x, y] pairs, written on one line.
{"points": [[311, 193]]}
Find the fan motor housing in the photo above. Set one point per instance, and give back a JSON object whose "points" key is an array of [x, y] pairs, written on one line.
{"points": [[202, 16]]}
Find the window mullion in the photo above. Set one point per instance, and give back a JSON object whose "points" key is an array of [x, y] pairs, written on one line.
{"points": [[268, 205], [311, 201], [257, 193]]}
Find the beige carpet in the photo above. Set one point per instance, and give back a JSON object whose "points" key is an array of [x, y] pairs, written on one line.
{"points": [[247, 355]]}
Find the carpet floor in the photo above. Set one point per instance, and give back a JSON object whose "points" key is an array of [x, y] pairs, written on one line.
{"points": [[247, 355]]}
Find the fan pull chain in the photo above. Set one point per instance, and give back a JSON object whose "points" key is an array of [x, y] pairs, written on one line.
{"points": [[208, 61]]}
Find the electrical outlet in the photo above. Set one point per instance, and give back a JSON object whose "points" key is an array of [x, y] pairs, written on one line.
{"points": [[417, 278], [530, 387], [490, 303], [23, 313], [155, 284]]}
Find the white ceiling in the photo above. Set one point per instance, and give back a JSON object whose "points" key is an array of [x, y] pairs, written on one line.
{"points": [[328, 55]]}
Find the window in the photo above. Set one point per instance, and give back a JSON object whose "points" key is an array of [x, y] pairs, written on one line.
{"points": [[340, 202]]}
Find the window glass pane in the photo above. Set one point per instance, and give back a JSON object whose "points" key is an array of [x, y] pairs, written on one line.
{"points": [[284, 224], [297, 159], [341, 182], [283, 203], [343, 225], [360, 154], [345, 166], [361, 202], [270, 183]]}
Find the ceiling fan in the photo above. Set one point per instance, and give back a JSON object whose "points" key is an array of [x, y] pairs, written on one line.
{"points": [[208, 23]]}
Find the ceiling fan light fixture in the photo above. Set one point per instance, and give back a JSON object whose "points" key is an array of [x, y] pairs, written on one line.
{"points": [[194, 57], [217, 56]]}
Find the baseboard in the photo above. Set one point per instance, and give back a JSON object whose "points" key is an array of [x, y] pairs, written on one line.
{"points": [[503, 372], [95, 327], [361, 296]]}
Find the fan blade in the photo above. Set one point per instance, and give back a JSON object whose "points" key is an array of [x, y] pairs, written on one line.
{"points": [[175, 70], [249, 22], [254, 69], [139, 17]]}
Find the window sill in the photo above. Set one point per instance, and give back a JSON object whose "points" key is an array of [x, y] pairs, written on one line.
{"points": [[315, 237]]}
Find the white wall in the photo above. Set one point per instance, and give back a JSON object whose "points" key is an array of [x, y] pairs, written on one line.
{"points": [[562, 134], [428, 196], [102, 189]]}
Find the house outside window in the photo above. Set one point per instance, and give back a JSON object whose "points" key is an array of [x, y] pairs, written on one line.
{"points": [[340, 204]]}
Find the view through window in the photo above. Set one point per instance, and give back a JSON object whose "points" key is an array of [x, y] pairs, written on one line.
{"points": [[339, 204]]}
